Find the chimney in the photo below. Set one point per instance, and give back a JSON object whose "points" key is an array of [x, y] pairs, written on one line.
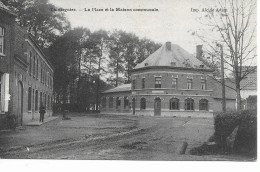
{"points": [[168, 46], [199, 51]]}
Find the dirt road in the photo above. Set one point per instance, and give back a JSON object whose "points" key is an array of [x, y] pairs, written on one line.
{"points": [[109, 137]]}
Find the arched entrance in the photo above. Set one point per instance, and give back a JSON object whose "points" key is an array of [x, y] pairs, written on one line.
{"points": [[20, 103], [157, 106], [133, 105]]}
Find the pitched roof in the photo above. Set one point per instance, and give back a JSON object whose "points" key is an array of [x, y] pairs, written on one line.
{"points": [[4, 8], [171, 55], [121, 88], [250, 81]]}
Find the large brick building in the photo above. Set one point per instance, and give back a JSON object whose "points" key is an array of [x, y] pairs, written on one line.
{"points": [[26, 73], [170, 82]]}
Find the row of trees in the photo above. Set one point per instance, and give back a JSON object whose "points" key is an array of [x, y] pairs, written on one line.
{"points": [[90, 62], [85, 62]]}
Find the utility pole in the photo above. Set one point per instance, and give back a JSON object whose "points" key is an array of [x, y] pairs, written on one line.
{"points": [[222, 79]]}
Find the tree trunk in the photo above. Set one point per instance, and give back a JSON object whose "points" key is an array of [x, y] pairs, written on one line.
{"points": [[238, 102]]}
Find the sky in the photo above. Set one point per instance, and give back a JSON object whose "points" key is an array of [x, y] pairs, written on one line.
{"points": [[171, 22]]}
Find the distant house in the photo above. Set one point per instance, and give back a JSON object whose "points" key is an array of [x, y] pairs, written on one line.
{"points": [[249, 84], [249, 87], [170, 82], [26, 74]]}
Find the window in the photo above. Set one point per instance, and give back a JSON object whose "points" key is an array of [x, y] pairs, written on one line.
{"points": [[1, 92], [174, 104], [189, 84], [2, 35], [203, 84], [133, 84], [204, 104], [118, 102], [143, 82], [41, 99], [37, 68], [143, 103], [104, 102], [29, 98], [110, 102], [34, 65], [33, 99], [126, 102], [36, 100], [158, 82], [175, 83], [41, 73], [30, 67], [189, 104]]}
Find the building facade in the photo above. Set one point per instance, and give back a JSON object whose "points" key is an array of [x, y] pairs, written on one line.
{"points": [[170, 82], [26, 73]]}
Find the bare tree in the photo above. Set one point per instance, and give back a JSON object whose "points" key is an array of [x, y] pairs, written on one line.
{"points": [[232, 24]]}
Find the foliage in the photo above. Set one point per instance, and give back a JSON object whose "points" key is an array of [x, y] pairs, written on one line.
{"points": [[84, 59], [225, 122], [41, 22], [232, 28]]}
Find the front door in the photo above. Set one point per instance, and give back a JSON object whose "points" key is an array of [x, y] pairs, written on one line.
{"points": [[133, 105], [157, 107], [20, 104]]}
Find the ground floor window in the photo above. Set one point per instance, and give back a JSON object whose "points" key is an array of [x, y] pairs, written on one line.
{"points": [[203, 104], [29, 98], [36, 99], [143, 103], [104, 102], [1, 92], [189, 104], [126, 102], [174, 104], [110, 102], [118, 102]]}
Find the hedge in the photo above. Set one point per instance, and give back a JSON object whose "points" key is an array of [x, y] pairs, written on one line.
{"points": [[224, 123]]}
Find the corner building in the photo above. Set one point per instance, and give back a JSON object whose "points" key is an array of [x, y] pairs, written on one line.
{"points": [[170, 82]]}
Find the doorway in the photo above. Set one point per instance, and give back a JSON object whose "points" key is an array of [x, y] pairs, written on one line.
{"points": [[157, 106]]}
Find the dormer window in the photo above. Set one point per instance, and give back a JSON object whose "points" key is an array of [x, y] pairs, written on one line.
{"points": [[146, 64], [201, 66], [173, 63]]}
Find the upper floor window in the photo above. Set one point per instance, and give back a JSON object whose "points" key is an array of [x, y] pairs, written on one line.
{"points": [[189, 84], [158, 82], [30, 67], [203, 84], [175, 83], [2, 34], [143, 82]]}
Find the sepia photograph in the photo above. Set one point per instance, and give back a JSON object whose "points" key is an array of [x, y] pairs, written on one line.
{"points": [[136, 80]]}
